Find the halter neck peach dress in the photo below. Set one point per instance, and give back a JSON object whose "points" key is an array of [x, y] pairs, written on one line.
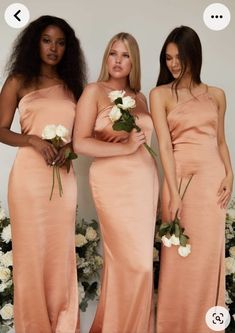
{"points": [[125, 191], [189, 286], [43, 231]]}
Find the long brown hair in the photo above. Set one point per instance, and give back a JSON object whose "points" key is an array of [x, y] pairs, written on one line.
{"points": [[190, 54]]}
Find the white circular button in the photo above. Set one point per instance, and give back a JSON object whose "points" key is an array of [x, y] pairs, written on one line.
{"points": [[217, 318], [216, 16], [17, 15]]}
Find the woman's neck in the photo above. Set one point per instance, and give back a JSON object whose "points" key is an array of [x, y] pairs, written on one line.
{"points": [[49, 72], [115, 84]]}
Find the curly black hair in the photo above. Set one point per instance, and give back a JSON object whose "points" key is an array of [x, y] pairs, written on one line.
{"points": [[25, 58]]}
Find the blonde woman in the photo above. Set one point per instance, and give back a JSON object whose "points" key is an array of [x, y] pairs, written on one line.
{"points": [[124, 183]]}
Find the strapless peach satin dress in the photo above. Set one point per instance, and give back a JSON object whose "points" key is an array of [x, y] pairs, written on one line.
{"points": [[45, 280], [189, 286], [125, 191]]}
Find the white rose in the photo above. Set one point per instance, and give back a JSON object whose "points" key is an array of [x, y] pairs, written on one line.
{"points": [[127, 103], [231, 213], [5, 285], [6, 234], [184, 250], [80, 240], [116, 94], [232, 251], [155, 254], [175, 240], [166, 241], [62, 132], [49, 132], [98, 291], [98, 261], [87, 270], [5, 274], [6, 312], [91, 234], [2, 214], [6, 259], [227, 298], [115, 114], [229, 265]]}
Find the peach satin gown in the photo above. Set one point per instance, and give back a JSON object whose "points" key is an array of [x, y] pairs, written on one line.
{"points": [[189, 286], [45, 280], [125, 191]]}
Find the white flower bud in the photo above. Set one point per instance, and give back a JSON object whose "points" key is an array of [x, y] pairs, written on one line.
{"points": [[49, 132], [127, 103], [184, 251], [115, 114], [113, 95], [166, 241]]}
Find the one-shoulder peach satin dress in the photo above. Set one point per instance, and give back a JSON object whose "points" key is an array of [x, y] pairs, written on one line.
{"points": [[189, 286], [45, 280], [125, 191]]}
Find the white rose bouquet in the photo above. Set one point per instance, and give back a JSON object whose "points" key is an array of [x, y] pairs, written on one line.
{"points": [[172, 233], [57, 135], [121, 117], [89, 261]]}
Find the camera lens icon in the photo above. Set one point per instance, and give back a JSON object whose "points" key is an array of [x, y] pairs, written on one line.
{"points": [[217, 318]]}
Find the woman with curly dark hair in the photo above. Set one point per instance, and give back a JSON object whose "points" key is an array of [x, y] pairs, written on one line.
{"points": [[46, 78]]}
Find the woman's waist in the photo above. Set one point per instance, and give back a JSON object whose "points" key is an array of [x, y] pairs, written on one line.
{"points": [[28, 157], [140, 159], [197, 148], [196, 153]]}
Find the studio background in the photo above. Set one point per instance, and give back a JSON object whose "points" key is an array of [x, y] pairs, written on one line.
{"points": [[150, 21]]}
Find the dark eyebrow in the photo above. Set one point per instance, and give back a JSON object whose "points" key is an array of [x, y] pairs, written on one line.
{"points": [[46, 35]]}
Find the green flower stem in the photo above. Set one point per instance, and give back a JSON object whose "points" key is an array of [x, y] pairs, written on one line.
{"points": [[149, 149], [59, 180], [183, 193], [53, 181], [186, 187]]}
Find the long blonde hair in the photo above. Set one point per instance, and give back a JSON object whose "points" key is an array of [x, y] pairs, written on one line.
{"points": [[133, 50]]}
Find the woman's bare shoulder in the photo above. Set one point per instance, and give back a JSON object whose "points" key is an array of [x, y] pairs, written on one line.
{"points": [[161, 92]]}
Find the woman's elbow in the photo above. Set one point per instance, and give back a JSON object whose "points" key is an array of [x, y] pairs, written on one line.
{"points": [[78, 146]]}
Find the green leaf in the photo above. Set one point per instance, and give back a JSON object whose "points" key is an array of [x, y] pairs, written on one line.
{"points": [[83, 305], [68, 165], [177, 230], [67, 152], [118, 101], [121, 126], [183, 240], [72, 155]]}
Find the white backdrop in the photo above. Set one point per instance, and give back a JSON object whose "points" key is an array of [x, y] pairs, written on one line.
{"points": [[150, 21]]}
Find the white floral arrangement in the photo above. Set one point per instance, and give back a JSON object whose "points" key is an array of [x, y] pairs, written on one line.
{"points": [[89, 263], [230, 264], [6, 283]]}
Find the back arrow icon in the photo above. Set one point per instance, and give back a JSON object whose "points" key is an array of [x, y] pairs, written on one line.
{"points": [[15, 15]]}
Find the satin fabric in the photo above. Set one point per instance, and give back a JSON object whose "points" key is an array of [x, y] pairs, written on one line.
{"points": [[125, 191], [189, 286], [43, 231]]}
